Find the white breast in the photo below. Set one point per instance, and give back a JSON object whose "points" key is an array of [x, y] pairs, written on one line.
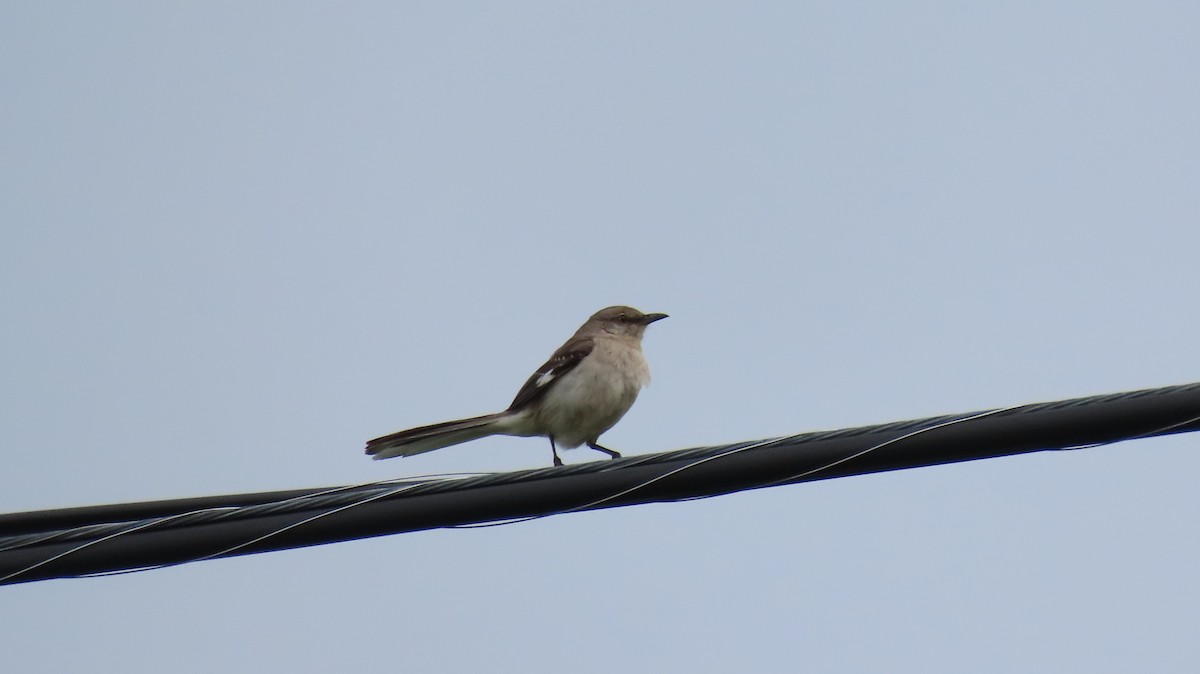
{"points": [[590, 399]]}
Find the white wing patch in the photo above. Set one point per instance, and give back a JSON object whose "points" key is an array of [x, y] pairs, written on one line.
{"points": [[547, 377]]}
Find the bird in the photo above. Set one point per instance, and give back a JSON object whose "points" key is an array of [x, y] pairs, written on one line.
{"points": [[583, 390]]}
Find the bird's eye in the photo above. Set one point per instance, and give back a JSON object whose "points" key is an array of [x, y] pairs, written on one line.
{"points": [[622, 317]]}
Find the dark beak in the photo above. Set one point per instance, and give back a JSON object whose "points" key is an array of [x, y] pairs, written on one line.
{"points": [[650, 318]]}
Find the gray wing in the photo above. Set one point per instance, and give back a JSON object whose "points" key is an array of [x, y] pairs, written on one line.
{"points": [[563, 361]]}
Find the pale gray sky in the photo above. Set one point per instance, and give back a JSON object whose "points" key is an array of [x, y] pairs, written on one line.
{"points": [[242, 238]]}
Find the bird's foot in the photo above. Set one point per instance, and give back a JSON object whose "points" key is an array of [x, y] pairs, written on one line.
{"points": [[612, 453]]}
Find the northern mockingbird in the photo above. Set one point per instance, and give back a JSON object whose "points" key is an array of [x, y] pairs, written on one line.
{"points": [[581, 392]]}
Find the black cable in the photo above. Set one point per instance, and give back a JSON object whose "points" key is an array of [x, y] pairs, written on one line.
{"points": [[79, 541]]}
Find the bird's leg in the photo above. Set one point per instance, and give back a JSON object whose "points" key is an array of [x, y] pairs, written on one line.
{"points": [[611, 454], [554, 451]]}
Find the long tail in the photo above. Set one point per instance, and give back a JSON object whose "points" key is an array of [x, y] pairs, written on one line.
{"points": [[435, 436]]}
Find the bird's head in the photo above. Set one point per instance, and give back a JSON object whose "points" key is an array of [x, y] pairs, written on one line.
{"points": [[623, 321]]}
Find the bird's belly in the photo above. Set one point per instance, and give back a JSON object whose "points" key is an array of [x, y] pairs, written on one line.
{"points": [[588, 401]]}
